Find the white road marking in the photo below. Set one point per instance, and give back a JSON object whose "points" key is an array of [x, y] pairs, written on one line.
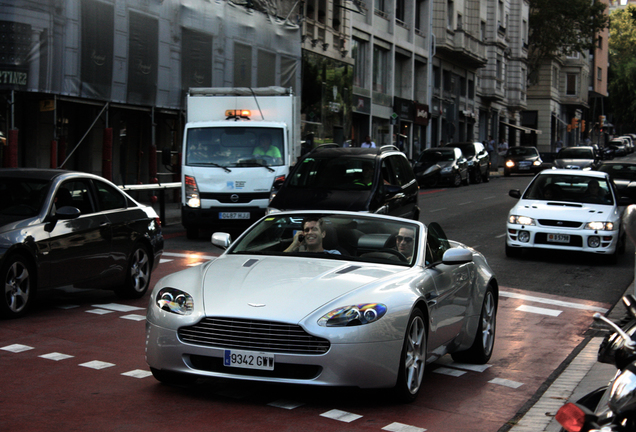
{"points": [[161, 261], [96, 364], [465, 203], [181, 255], [118, 307], [559, 303], [99, 311], [16, 348], [342, 416], [501, 235], [56, 356], [506, 383], [285, 404], [437, 210], [138, 373], [449, 371], [134, 317], [399, 427], [470, 367], [540, 311]]}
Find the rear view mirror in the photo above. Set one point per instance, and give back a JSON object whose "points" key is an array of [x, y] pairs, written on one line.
{"points": [[515, 193]]}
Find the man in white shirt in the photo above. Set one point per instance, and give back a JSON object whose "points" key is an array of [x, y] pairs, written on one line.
{"points": [[367, 143]]}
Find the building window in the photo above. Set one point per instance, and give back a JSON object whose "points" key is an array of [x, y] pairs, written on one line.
{"points": [[471, 89], [322, 11], [555, 77], [570, 89], [599, 74], [482, 31], [380, 7], [462, 86], [336, 15], [437, 78], [450, 14], [460, 24], [448, 81], [399, 10], [380, 69], [359, 50], [600, 42], [420, 15]]}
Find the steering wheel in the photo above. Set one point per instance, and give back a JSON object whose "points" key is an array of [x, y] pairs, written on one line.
{"points": [[396, 253]]}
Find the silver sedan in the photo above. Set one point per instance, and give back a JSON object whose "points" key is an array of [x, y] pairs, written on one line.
{"points": [[329, 299]]}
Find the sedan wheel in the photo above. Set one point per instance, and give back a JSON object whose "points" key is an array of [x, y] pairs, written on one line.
{"points": [[481, 350], [137, 275], [457, 179], [19, 287], [413, 359], [476, 176]]}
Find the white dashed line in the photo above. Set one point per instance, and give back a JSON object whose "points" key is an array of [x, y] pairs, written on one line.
{"points": [[16, 348], [506, 383], [552, 302], [99, 311], [399, 427], [118, 307], [470, 367], [161, 261], [285, 404], [539, 311], [138, 373], [56, 356], [342, 416], [96, 364], [449, 371], [134, 317]]}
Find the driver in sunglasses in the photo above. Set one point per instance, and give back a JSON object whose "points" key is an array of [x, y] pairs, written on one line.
{"points": [[404, 242]]}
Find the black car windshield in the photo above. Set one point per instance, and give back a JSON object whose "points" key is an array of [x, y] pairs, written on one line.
{"points": [[620, 171], [438, 155], [333, 236], [523, 151], [334, 173], [20, 197], [576, 153], [467, 149], [571, 189]]}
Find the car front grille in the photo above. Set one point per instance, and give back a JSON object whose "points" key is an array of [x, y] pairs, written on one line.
{"points": [[241, 334], [560, 223]]}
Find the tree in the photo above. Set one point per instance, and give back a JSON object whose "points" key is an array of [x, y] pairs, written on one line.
{"points": [[563, 27], [622, 60]]}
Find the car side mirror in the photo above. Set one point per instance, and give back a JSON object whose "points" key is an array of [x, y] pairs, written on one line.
{"points": [[222, 240], [392, 189], [457, 256], [515, 193], [67, 212]]}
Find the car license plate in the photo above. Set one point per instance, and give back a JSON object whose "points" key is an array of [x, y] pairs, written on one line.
{"points": [[524, 167], [234, 215], [248, 359], [559, 238]]}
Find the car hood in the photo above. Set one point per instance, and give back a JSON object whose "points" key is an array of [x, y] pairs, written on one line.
{"points": [[562, 210], [244, 286], [575, 163], [321, 199]]}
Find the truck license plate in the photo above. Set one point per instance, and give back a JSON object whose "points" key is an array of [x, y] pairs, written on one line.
{"points": [[248, 359], [559, 238], [234, 215]]}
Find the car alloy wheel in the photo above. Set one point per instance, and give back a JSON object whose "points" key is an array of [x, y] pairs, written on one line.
{"points": [[18, 288], [481, 350], [137, 275], [413, 359], [457, 179]]}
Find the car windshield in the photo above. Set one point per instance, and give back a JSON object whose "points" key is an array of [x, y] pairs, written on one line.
{"points": [[467, 149], [570, 188], [20, 197], [438, 155], [576, 153], [620, 171], [333, 236], [234, 146], [334, 173], [522, 151]]}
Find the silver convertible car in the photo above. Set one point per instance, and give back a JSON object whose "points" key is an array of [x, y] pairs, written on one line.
{"points": [[328, 299]]}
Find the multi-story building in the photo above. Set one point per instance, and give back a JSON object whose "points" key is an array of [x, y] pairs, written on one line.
{"points": [[567, 99]]}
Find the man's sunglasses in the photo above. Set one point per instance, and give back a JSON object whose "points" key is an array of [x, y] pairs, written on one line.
{"points": [[401, 239]]}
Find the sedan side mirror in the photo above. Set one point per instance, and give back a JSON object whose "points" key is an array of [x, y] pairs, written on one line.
{"points": [[222, 240], [457, 256], [515, 193]]}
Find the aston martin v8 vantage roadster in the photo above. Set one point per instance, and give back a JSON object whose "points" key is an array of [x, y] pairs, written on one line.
{"points": [[325, 298]]}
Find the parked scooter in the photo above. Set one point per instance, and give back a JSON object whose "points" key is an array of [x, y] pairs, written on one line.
{"points": [[611, 408]]}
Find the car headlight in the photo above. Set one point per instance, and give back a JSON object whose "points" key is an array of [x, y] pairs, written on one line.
{"points": [[536, 163], [192, 197], [175, 301], [510, 164], [601, 226], [521, 220], [447, 170], [353, 315]]}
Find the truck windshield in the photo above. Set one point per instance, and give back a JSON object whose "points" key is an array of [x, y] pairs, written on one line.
{"points": [[234, 146]]}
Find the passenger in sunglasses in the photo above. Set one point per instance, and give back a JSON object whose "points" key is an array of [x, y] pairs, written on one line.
{"points": [[404, 242]]}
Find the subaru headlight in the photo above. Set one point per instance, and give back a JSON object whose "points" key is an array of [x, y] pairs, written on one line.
{"points": [[353, 315], [520, 220], [601, 226], [175, 301]]}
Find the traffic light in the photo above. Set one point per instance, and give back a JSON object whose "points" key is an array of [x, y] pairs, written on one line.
{"points": [[569, 128], [601, 121], [582, 125], [575, 123]]}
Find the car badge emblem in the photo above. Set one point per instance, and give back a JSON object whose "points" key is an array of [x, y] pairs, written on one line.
{"points": [[256, 304], [559, 223], [234, 198]]}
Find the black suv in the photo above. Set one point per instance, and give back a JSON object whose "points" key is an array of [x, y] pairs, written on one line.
{"points": [[478, 160], [376, 180]]}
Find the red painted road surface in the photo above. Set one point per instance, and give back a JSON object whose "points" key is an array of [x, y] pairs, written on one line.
{"points": [[76, 363]]}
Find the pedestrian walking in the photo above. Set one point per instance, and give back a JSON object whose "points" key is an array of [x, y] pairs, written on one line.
{"points": [[367, 143]]}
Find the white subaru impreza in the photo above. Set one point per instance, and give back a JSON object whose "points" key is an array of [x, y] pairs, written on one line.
{"points": [[568, 210]]}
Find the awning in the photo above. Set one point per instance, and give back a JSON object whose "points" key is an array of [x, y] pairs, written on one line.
{"points": [[523, 129]]}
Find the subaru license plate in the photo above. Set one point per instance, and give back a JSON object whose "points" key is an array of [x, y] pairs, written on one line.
{"points": [[234, 215], [248, 359], [559, 238]]}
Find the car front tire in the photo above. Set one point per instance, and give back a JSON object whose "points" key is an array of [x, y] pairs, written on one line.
{"points": [[412, 360], [18, 277], [481, 350], [476, 176], [137, 274]]}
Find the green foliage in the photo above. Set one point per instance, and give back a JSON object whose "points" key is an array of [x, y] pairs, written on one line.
{"points": [[622, 58], [563, 27]]}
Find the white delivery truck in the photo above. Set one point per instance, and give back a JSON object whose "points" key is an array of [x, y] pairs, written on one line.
{"points": [[237, 143]]}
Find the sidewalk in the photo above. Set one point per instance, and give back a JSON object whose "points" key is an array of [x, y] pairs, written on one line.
{"points": [[579, 374]]}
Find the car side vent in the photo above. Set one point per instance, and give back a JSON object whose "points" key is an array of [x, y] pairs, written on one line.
{"points": [[250, 262], [347, 269]]}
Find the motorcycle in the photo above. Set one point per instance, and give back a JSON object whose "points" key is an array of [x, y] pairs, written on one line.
{"points": [[611, 408]]}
